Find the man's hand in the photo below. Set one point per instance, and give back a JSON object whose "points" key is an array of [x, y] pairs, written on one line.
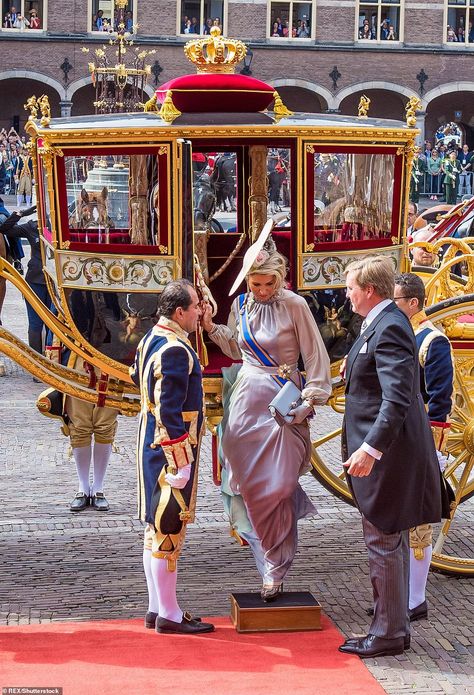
{"points": [[359, 464], [300, 414], [181, 478], [442, 460]]}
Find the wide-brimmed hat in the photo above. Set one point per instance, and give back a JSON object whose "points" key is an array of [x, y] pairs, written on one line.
{"points": [[251, 255]]}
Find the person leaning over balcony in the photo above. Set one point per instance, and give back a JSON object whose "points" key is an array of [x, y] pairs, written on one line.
{"points": [[169, 376]]}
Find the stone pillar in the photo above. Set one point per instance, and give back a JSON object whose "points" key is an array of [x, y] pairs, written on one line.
{"points": [[420, 123], [65, 108]]}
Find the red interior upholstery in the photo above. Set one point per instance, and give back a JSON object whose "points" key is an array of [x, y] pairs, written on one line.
{"points": [[94, 237], [203, 93]]}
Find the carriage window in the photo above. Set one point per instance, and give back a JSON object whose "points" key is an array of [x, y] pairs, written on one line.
{"points": [[45, 200], [215, 191], [353, 197], [115, 199], [279, 186]]}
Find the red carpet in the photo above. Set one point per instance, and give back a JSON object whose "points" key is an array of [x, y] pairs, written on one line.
{"points": [[120, 657]]}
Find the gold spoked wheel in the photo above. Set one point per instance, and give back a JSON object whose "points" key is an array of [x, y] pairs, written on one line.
{"points": [[449, 553]]}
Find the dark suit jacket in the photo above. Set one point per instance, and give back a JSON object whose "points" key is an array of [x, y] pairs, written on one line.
{"points": [[384, 408]]}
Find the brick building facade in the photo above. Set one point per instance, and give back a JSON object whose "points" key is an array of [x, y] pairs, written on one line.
{"points": [[320, 54]]}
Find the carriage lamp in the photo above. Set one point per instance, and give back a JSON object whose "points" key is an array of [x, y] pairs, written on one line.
{"points": [[247, 63]]}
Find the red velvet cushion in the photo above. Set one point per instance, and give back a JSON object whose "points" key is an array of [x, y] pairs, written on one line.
{"points": [[204, 93]]}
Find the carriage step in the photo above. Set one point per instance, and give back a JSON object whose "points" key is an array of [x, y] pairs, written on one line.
{"points": [[293, 611]]}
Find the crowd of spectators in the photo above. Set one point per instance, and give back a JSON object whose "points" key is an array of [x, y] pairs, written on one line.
{"points": [[461, 34], [11, 144], [15, 20], [190, 25], [438, 163], [368, 30], [301, 29], [102, 23]]}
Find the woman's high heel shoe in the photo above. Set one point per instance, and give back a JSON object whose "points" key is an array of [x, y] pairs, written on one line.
{"points": [[270, 593]]}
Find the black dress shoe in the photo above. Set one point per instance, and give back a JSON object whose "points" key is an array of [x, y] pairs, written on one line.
{"points": [[371, 646], [419, 612], [99, 502], [270, 594], [150, 619], [406, 641], [80, 502], [188, 626]]}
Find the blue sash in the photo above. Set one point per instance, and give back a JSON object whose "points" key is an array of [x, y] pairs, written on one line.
{"points": [[250, 341]]}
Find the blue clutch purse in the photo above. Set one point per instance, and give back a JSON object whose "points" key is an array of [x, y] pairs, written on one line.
{"points": [[287, 398]]}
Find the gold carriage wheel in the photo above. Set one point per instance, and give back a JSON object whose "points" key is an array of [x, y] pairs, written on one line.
{"points": [[327, 469]]}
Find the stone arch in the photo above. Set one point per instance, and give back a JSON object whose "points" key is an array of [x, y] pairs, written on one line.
{"points": [[447, 88], [362, 86], [308, 86], [35, 77]]}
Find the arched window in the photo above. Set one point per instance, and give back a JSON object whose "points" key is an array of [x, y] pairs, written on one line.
{"points": [[459, 22], [24, 15], [379, 20]]}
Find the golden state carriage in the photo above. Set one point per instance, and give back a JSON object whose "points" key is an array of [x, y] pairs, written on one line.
{"points": [[127, 202]]}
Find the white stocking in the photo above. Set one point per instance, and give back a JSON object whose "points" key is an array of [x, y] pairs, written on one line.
{"points": [[19, 200], [153, 604], [101, 460], [419, 576], [82, 458], [165, 586], [28, 200]]}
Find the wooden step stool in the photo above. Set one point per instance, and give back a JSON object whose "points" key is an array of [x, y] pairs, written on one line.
{"points": [[293, 611]]}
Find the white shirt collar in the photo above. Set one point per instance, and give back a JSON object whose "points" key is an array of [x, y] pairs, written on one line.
{"points": [[375, 311]]}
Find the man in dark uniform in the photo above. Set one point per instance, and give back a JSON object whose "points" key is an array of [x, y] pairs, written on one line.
{"points": [[168, 372], [388, 450], [436, 384]]}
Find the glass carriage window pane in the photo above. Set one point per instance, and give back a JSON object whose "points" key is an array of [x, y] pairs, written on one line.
{"points": [[279, 186], [215, 191], [113, 199], [353, 197], [280, 20], [301, 20]]}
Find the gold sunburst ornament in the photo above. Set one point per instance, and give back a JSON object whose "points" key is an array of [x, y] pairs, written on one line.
{"points": [[215, 53]]}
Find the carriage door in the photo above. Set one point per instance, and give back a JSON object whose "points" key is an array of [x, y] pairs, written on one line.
{"points": [[185, 208]]}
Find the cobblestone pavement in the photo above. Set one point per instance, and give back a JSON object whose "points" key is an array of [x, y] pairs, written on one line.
{"points": [[56, 566]]}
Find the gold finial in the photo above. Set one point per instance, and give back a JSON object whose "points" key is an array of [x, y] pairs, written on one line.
{"points": [[168, 111], [279, 108], [150, 105], [43, 104], [364, 104], [31, 106], [215, 53], [413, 105]]}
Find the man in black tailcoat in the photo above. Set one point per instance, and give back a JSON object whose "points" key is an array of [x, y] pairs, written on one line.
{"points": [[388, 450]]}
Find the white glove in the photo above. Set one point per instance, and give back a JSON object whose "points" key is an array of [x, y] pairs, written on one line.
{"points": [[179, 480], [300, 413], [442, 460]]}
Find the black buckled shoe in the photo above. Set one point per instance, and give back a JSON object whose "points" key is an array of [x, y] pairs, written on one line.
{"points": [[188, 626], [150, 619], [372, 646], [80, 502], [99, 502], [419, 612]]}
